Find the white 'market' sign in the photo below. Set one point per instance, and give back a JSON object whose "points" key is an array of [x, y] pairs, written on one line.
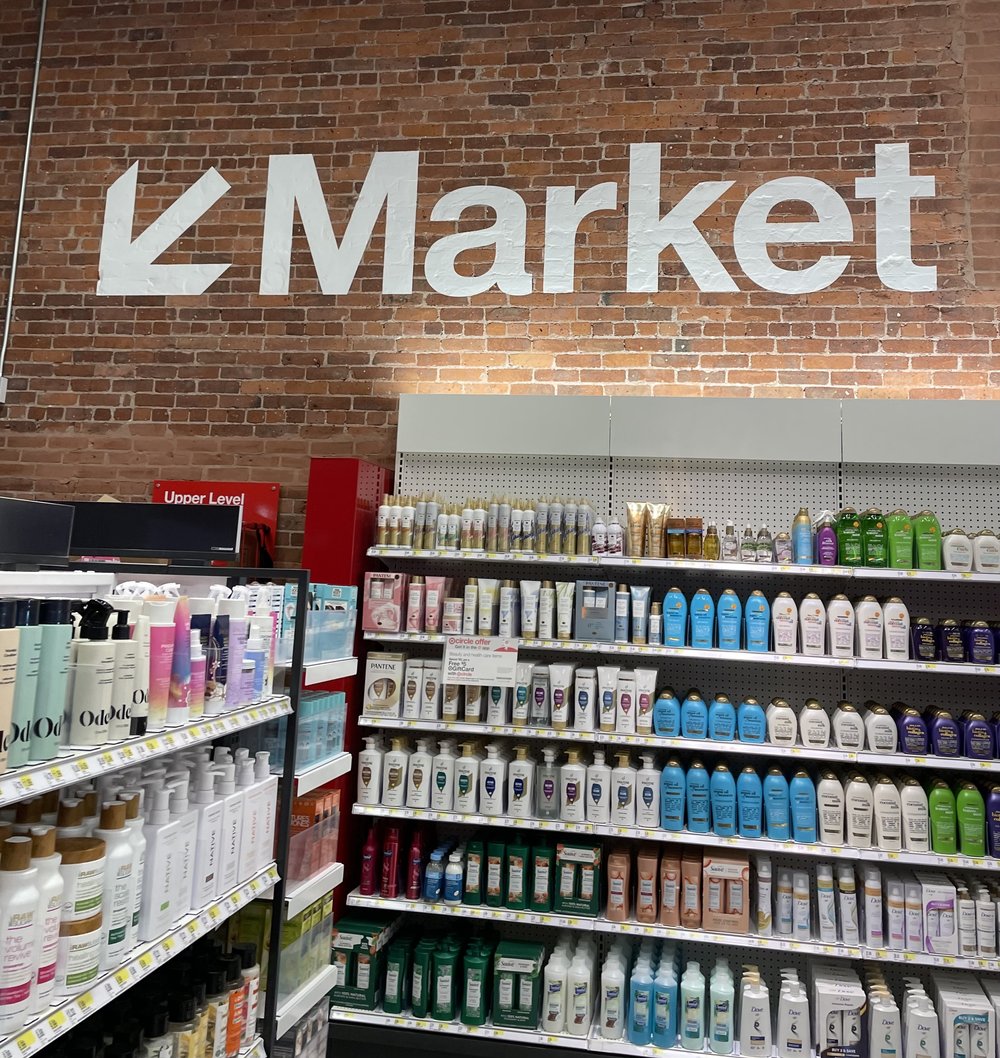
{"points": [[128, 268]]}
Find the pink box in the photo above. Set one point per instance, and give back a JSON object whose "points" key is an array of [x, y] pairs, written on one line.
{"points": [[385, 602]]}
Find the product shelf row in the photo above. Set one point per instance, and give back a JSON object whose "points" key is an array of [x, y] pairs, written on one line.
{"points": [[682, 564], [300, 1002], [302, 894], [760, 657], [69, 1012], [683, 837], [677, 933], [77, 765], [656, 742]]}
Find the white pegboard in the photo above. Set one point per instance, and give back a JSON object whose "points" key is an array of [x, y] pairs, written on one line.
{"points": [[751, 493], [968, 497], [457, 475]]}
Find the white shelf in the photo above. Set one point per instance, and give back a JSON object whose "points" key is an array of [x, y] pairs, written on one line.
{"points": [[683, 837], [299, 1003], [582, 924], [322, 773], [67, 1013], [76, 765], [456, 1028], [317, 672], [691, 565], [55, 583], [255, 1050], [768, 657], [299, 896], [656, 742]]}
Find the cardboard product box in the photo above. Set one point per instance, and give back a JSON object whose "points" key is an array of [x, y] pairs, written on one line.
{"points": [[337, 596], [384, 602], [517, 978], [940, 908], [577, 885], [384, 674], [725, 896], [289, 603], [595, 611], [359, 944]]}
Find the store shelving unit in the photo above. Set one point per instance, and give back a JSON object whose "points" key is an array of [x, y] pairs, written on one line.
{"points": [[857, 453], [299, 1003], [320, 774]]}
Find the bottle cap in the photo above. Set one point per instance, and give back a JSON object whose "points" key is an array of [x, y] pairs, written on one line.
{"points": [[120, 629], [55, 612], [233, 966], [43, 842], [113, 815], [28, 812], [27, 612], [215, 981], [94, 617], [248, 954], [70, 813], [182, 1007], [16, 854], [8, 613]]}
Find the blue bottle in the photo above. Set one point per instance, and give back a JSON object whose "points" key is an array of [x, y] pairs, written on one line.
{"points": [[776, 805], [977, 736], [698, 798], [757, 622], [434, 878], [729, 620], [665, 1007], [694, 716], [675, 618], [723, 793], [751, 722], [749, 804], [722, 719], [802, 794], [640, 1021], [667, 714], [673, 793], [702, 620]]}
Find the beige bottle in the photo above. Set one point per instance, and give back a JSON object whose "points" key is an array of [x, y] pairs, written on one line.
{"points": [[812, 625], [647, 863], [670, 890], [619, 887], [691, 867]]}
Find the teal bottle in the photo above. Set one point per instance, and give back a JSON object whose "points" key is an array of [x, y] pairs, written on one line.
{"points": [[667, 714], [698, 798], [749, 803], [751, 722], [721, 719], [802, 796], [723, 796], [673, 794], [776, 805], [694, 716]]}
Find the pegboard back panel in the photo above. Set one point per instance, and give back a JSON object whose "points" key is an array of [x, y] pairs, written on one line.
{"points": [[457, 475], [965, 496], [746, 492]]}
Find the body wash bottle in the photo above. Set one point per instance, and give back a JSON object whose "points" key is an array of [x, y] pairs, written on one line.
{"points": [[370, 771], [521, 784], [442, 777], [572, 781], [29, 650], [647, 794], [623, 779], [53, 679], [547, 786]]}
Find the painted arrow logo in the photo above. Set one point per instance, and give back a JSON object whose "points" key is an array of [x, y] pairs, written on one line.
{"points": [[126, 265]]}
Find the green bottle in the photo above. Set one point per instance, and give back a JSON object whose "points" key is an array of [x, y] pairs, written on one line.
{"points": [[927, 540], [445, 982], [874, 539], [971, 811], [474, 870], [941, 809], [396, 995], [475, 985], [900, 540], [542, 877], [518, 870], [421, 984], [849, 537]]}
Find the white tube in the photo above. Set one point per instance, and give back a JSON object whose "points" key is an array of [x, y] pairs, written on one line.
{"points": [[530, 590]]}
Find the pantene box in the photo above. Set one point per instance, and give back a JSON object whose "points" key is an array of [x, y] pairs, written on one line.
{"points": [[383, 684], [384, 602]]}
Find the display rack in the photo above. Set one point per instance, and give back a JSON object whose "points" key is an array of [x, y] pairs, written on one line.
{"points": [[784, 454]]}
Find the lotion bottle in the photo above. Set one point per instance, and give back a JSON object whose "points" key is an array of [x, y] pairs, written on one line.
{"points": [[598, 794], [160, 875], [46, 861], [467, 780], [623, 779], [443, 777], [647, 794], [118, 899], [19, 901], [547, 786], [208, 843], [370, 771], [521, 784], [395, 768], [418, 781]]}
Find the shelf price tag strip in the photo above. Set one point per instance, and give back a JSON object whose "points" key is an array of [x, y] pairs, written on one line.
{"points": [[64, 770], [53, 1023]]}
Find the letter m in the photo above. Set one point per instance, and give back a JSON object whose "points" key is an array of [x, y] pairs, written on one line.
{"points": [[292, 182]]}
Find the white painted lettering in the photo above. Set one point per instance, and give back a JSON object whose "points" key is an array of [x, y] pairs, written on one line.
{"points": [[563, 215]]}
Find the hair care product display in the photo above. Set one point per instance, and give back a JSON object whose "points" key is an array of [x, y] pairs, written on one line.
{"points": [[552, 526], [308, 1039], [331, 618], [585, 612], [319, 734]]}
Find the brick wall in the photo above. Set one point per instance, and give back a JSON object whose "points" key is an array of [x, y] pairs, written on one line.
{"points": [[108, 393]]}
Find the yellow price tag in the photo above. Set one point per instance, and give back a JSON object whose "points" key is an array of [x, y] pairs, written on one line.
{"points": [[26, 1041], [196, 732], [122, 976], [145, 960], [107, 760], [168, 944], [56, 773], [214, 912], [57, 1022], [86, 1001], [127, 753]]}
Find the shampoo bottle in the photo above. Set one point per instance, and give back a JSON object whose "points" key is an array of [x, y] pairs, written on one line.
{"points": [[118, 897], [46, 861], [599, 790], [721, 1009], [826, 540], [667, 714], [723, 801], [19, 901], [840, 626], [521, 784], [755, 1017], [802, 795], [467, 780], [757, 622], [53, 678], [784, 623], [721, 719], [370, 771], [647, 794], [493, 781], [702, 620], [814, 725], [692, 1015], [572, 781], [751, 722], [442, 777], [673, 794], [395, 766], [675, 615], [868, 628], [623, 779], [698, 798], [750, 803], [859, 811], [729, 618], [927, 540], [782, 724], [418, 781], [694, 716], [812, 625], [547, 786], [874, 539], [899, 530], [29, 650], [896, 625], [160, 875], [888, 815], [776, 809], [830, 809]]}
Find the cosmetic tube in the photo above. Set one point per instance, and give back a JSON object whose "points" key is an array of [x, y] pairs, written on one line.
{"points": [[237, 610], [29, 649], [10, 636], [489, 600], [53, 679], [640, 612], [120, 726], [530, 590], [180, 667], [565, 597], [658, 514], [638, 514], [160, 612], [607, 704], [93, 661], [470, 608], [139, 720]]}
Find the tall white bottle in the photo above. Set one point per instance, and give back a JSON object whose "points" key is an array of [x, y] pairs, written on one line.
{"points": [[623, 792], [492, 781], [572, 781], [19, 899], [692, 1008], [721, 1009], [755, 1017], [647, 794], [521, 786], [443, 777], [467, 780], [395, 768], [267, 786], [232, 825], [370, 771], [118, 899], [598, 790], [187, 839], [418, 780], [250, 826], [46, 860], [208, 811], [159, 879], [134, 823]]}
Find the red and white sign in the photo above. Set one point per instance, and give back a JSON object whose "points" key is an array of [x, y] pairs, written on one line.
{"points": [[259, 500], [486, 661]]}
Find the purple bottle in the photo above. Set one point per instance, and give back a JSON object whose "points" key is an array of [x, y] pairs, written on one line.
{"points": [[946, 735], [980, 647], [977, 740], [826, 542], [993, 821], [925, 647], [951, 641], [912, 730]]}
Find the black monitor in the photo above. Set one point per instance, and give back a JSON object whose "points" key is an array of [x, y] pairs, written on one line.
{"points": [[32, 531], [183, 533]]}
